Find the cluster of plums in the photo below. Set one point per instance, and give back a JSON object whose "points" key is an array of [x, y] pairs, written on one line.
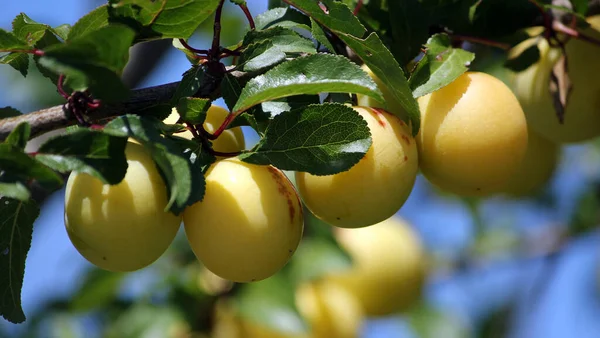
{"points": [[478, 137]]}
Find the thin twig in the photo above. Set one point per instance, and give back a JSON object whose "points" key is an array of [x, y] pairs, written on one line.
{"points": [[249, 16], [358, 7], [192, 49], [481, 41], [216, 43], [35, 52]]}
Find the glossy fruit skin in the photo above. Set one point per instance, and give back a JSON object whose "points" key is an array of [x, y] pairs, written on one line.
{"points": [[582, 115], [330, 310], [230, 141], [389, 266], [391, 104], [249, 223], [473, 135], [376, 187], [538, 166], [122, 227]]}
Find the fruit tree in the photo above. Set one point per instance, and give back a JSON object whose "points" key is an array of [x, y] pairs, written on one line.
{"points": [[272, 189]]}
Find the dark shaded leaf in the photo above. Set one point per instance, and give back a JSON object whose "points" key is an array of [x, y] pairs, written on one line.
{"points": [[193, 110], [319, 34], [16, 163], [185, 186], [410, 21], [190, 83], [527, 58], [9, 112], [87, 151], [16, 227]]}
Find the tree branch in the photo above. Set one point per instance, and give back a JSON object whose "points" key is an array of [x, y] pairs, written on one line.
{"points": [[48, 119], [52, 118]]}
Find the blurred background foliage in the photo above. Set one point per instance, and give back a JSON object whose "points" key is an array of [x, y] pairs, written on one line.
{"points": [[499, 267]]}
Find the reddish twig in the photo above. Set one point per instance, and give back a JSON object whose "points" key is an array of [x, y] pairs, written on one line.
{"points": [[358, 7], [35, 52], [222, 154], [481, 41], [249, 16], [228, 52], [59, 87], [192, 49], [221, 128]]}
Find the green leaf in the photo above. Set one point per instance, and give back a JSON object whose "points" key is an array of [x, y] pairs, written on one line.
{"points": [[410, 22], [319, 34], [429, 322], [87, 151], [311, 74], [231, 90], [282, 17], [260, 55], [15, 162], [16, 190], [441, 65], [8, 42], [273, 108], [19, 61], [90, 22], [318, 257], [19, 136], [16, 227], [184, 183], [190, 83], [321, 139], [271, 303], [98, 289], [381, 62], [193, 110], [62, 31], [269, 47], [93, 61], [337, 17], [340, 20], [581, 6], [527, 58], [9, 112], [28, 30], [106, 47], [163, 18], [147, 320]]}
